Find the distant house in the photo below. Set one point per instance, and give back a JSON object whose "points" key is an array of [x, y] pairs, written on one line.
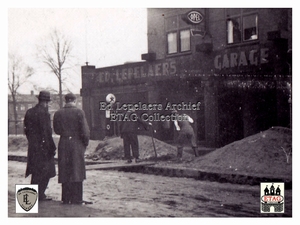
{"points": [[25, 102]]}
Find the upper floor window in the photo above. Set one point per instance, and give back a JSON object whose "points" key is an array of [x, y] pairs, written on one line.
{"points": [[22, 107], [178, 35], [242, 25]]}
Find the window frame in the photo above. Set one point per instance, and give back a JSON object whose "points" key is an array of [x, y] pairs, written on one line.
{"points": [[177, 30], [181, 40], [241, 17]]}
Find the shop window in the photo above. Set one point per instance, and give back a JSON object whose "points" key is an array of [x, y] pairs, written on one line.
{"points": [[243, 27], [178, 35]]}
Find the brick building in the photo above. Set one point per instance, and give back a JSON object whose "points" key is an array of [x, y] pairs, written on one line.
{"points": [[233, 65]]}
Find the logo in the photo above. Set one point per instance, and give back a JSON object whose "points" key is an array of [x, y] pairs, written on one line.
{"points": [[193, 17], [26, 198], [272, 197]]}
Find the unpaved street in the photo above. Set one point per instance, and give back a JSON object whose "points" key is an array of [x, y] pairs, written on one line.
{"points": [[121, 194]]}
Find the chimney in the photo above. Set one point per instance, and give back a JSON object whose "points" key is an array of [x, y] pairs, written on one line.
{"points": [[31, 92]]}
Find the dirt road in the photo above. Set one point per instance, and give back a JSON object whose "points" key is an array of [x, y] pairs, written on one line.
{"points": [[121, 194]]}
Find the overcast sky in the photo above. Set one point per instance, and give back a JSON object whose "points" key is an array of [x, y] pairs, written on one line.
{"points": [[101, 36]]}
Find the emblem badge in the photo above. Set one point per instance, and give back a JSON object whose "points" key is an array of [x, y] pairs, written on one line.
{"points": [[193, 17], [27, 197], [272, 197]]}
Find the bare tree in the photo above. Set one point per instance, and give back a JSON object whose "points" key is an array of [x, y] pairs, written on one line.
{"points": [[55, 52], [18, 73]]}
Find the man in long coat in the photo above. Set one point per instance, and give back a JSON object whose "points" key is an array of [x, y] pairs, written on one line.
{"points": [[70, 123], [41, 147], [129, 129]]}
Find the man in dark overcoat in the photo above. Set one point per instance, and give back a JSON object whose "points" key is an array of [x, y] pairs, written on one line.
{"points": [[128, 130], [70, 123], [41, 147]]}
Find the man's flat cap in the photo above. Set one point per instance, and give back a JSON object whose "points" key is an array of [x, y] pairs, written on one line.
{"points": [[70, 97]]}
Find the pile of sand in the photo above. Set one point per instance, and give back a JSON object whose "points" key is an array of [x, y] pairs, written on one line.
{"points": [[112, 149], [266, 153]]}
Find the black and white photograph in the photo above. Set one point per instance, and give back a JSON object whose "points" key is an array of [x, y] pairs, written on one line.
{"points": [[150, 111]]}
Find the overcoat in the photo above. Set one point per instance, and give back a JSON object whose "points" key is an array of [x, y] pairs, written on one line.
{"points": [[131, 125], [70, 123], [41, 147]]}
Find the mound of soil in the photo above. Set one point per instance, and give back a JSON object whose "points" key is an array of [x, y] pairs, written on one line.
{"points": [[112, 149], [266, 153]]}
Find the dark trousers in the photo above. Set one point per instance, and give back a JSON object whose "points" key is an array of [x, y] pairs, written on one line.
{"points": [[186, 138], [130, 141], [42, 183], [71, 192]]}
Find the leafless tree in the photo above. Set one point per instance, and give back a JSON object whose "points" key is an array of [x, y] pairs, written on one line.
{"points": [[18, 73], [55, 52]]}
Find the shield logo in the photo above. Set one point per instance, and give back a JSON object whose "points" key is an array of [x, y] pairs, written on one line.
{"points": [[27, 198]]}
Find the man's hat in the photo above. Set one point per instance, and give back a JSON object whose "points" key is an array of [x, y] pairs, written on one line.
{"points": [[44, 95], [70, 97]]}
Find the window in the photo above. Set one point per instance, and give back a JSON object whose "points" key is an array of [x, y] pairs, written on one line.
{"points": [[172, 43], [185, 41], [22, 107], [242, 25], [178, 35]]}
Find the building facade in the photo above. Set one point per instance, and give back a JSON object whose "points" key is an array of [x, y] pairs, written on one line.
{"points": [[229, 69]]}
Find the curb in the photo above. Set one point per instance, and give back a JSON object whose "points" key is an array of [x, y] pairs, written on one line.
{"points": [[187, 173], [210, 176]]}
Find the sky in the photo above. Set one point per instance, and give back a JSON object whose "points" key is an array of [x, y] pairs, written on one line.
{"points": [[100, 36]]}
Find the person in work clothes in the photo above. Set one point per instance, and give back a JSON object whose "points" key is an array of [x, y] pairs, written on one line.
{"points": [[41, 147], [70, 123], [186, 135], [128, 131]]}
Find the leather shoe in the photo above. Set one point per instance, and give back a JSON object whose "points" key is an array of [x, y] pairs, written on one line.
{"points": [[82, 203]]}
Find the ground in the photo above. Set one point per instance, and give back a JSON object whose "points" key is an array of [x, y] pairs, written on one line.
{"points": [[266, 153]]}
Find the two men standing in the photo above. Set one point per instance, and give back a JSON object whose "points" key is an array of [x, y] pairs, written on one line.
{"points": [[70, 123]]}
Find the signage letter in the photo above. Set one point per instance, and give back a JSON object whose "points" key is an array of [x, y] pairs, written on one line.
{"points": [[243, 60], [264, 55], [217, 62], [253, 57]]}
